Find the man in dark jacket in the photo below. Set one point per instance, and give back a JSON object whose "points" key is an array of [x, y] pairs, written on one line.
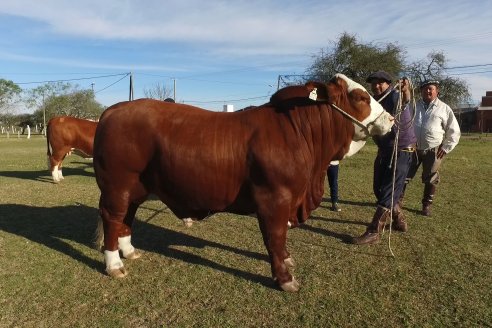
{"points": [[392, 162]]}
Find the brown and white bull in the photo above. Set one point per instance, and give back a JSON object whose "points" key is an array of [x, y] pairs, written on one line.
{"points": [[270, 160], [67, 134]]}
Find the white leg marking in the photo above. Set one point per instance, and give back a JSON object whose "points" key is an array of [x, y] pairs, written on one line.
{"points": [[54, 174], [291, 286], [188, 222], [289, 262], [125, 245], [60, 175], [112, 260]]}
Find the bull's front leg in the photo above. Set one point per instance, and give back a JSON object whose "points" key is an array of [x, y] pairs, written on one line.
{"points": [[274, 232]]}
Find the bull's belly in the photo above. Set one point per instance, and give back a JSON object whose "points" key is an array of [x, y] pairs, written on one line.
{"points": [[188, 206]]}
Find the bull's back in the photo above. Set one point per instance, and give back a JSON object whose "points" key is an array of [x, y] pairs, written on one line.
{"points": [[147, 130]]}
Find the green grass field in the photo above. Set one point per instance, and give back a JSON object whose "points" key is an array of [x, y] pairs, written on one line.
{"points": [[216, 273]]}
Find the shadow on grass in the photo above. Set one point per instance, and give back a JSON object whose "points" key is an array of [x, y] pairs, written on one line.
{"points": [[346, 202], [342, 237], [51, 226], [45, 175]]}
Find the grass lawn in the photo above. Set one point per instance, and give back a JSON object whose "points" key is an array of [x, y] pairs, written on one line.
{"points": [[216, 273]]}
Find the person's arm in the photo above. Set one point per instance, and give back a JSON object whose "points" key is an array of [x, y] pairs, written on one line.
{"points": [[405, 90], [451, 135]]}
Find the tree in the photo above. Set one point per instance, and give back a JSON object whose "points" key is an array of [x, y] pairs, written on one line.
{"points": [[357, 61], [55, 99], [453, 91], [9, 96], [77, 103], [36, 98], [158, 91]]}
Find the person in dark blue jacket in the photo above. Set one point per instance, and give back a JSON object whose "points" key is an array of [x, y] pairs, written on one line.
{"points": [[392, 162]]}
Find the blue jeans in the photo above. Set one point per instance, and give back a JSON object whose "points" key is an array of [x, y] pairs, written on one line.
{"points": [[332, 174], [383, 176]]}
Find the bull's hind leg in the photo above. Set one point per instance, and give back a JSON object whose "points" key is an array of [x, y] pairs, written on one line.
{"points": [[118, 214], [274, 232], [55, 166], [113, 214], [124, 239]]}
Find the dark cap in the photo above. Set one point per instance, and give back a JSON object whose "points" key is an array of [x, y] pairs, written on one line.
{"points": [[379, 75], [429, 82]]}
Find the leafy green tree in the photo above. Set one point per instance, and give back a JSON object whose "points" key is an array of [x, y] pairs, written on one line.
{"points": [[452, 91], [348, 56], [77, 103], [358, 60], [9, 96], [55, 99]]}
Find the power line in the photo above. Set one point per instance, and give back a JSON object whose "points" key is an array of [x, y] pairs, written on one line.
{"points": [[223, 101], [77, 79], [468, 66], [112, 84], [468, 73]]}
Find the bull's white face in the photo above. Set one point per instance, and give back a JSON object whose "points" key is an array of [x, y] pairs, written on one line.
{"points": [[379, 121]]}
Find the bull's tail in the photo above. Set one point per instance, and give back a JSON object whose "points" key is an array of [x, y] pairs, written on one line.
{"points": [[49, 151], [99, 235]]}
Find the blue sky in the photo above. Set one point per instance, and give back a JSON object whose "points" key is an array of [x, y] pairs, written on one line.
{"points": [[225, 52]]}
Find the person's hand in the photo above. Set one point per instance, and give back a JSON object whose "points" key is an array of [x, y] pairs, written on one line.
{"points": [[440, 153], [405, 89]]}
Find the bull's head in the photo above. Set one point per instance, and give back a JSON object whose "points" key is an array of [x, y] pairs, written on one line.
{"points": [[354, 102], [377, 121]]}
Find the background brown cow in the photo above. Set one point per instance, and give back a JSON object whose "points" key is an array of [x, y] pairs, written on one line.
{"points": [[64, 135], [270, 160]]}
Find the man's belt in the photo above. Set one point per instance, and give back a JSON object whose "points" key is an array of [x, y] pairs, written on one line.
{"points": [[409, 149]]}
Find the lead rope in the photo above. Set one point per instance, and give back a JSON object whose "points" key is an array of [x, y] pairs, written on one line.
{"points": [[394, 155]]}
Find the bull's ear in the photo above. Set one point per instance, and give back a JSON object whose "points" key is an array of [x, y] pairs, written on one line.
{"points": [[321, 89], [288, 93]]}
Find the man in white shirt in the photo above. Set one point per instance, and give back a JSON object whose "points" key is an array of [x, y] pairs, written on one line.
{"points": [[437, 132]]}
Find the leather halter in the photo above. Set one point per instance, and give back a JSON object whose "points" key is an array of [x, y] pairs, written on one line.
{"points": [[365, 128]]}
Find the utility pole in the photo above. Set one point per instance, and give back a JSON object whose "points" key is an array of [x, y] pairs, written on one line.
{"points": [[130, 97], [174, 89]]}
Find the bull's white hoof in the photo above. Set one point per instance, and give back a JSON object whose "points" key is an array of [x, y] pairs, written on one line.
{"points": [[291, 286], [117, 273], [133, 255], [188, 222], [289, 262]]}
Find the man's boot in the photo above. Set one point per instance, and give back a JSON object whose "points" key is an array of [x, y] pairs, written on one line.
{"points": [[429, 192], [399, 223], [371, 236]]}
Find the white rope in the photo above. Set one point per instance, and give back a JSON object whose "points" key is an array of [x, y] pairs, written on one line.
{"points": [[394, 155]]}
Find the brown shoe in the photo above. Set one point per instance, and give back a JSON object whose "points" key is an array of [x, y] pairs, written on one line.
{"points": [[426, 210], [371, 236], [368, 238], [429, 192], [399, 223]]}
